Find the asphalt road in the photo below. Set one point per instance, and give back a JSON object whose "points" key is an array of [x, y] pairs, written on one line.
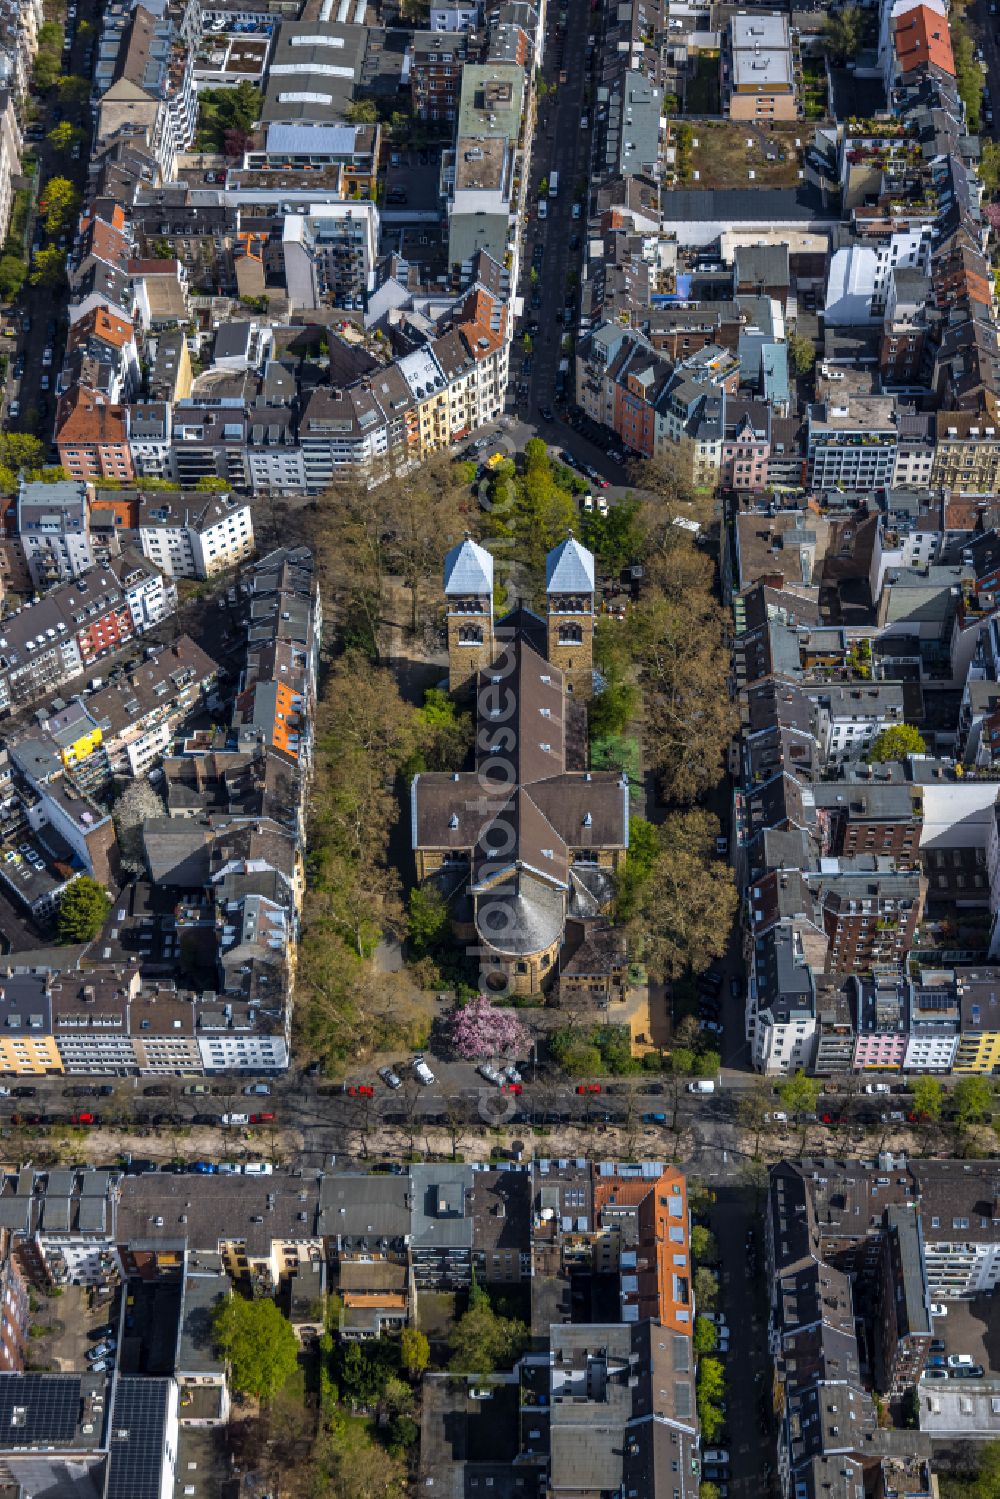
{"points": [[43, 304], [560, 145], [984, 17]]}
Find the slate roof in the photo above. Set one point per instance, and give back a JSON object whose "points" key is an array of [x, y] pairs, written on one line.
{"points": [[569, 568], [468, 568]]}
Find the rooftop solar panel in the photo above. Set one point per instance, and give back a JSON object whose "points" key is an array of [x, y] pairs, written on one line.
{"points": [[38, 1409], [138, 1428]]}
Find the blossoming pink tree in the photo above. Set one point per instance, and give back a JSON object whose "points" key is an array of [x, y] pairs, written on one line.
{"points": [[482, 1030]]}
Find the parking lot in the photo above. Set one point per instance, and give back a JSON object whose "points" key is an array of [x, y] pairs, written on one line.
{"points": [[72, 1319], [971, 1327]]}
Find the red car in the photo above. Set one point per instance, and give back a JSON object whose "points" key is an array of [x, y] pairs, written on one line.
{"points": [[589, 1088], [84, 1119], [513, 1088], [261, 1118], [361, 1090]]}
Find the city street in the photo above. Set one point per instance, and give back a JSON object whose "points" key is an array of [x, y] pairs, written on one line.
{"points": [[560, 146], [45, 305]]}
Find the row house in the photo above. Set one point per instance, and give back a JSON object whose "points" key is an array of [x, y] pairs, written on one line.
{"points": [[11, 147], [139, 714], [92, 437], [76, 624], [966, 453], [184, 535], [104, 339]]}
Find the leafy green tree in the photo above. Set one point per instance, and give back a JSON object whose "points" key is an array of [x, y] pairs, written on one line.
{"points": [[45, 73], [928, 1095], [801, 353], [708, 1490], [445, 734], [48, 267], [612, 710], [59, 202], [711, 1379], [683, 1061], [482, 1341], [799, 1094], [704, 1249], [83, 910], [414, 1350], [708, 1063], [12, 273], [844, 32], [21, 452], [62, 136], [643, 849], [362, 112], [896, 743], [989, 166], [972, 1097], [74, 90], [258, 1344], [706, 1289], [979, 1482], [617, 537], [429, 922], [212, 484], [574, 1052], [705, 1336], [239, 107]]}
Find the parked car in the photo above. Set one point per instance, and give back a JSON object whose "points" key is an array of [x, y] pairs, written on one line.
{"points": [[257, 1090], [703, 1085], [877, 1088], [24, 1092], [87, 1119], [156, 1091], [195, 1090], [936, 1361], [778, 1117], [360, 1090], [938, 1309], [257, 1168], [204, 1168], [229, 1119], [967, 1371], [654, 1118], [423, 1072], [716, 1455], [511, 1073], [262, 1118], [99, 1367], [390, 1078], [960, 1361], [935, 1373]]}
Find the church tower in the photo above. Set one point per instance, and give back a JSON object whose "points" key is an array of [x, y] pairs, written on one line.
{"points": [[468, 587], [569, 589]]}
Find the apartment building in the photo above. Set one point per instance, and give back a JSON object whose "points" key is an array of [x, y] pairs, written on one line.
{"points": [[330, 254], [852, 443], [758, 70], [52, 522]]}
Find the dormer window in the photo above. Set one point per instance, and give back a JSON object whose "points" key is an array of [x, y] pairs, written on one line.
{"points": [[453, 820], [588, 821]]}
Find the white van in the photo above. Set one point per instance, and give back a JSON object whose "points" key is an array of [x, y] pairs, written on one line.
{"points": [[703, 1085], [543, 209], [423, 1072]]}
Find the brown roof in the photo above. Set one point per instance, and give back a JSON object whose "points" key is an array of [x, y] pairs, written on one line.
{"points": [[85, 419]]}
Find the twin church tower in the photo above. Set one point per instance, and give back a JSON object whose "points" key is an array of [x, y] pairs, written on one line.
{"points": [[568, 626]]}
